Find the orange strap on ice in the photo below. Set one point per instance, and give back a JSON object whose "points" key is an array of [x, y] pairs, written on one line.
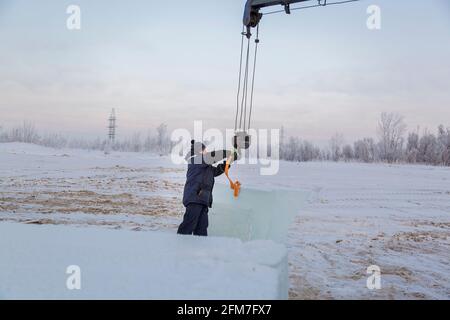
{"points": [[236, 186]]}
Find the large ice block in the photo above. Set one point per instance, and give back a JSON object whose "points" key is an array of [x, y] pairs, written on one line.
{"points": [[255, 214], [118, 264]]}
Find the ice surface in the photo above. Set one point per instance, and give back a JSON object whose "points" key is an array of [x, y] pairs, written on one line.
{"points": [[136, 265], [255, 214]]}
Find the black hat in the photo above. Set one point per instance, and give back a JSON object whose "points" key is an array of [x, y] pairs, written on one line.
{"points": [[196, 149]]}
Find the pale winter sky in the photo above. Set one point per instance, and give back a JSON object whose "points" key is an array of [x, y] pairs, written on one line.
{"points": [[320, 71]]}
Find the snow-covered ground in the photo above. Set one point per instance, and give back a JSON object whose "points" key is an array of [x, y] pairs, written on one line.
{"points": [[124, 190], [393, 216]]}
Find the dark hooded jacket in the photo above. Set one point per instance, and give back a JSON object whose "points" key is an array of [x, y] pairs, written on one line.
{"points": [[200, 181]]}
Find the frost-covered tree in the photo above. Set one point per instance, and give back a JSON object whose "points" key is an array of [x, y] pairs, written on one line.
{"points": [[296, 149], [3, 135], [54, 140], [412, 147], [428, 149], [25, 133], [135, 143], [336, 143], [347, 152], [444, 145], [148, 142], [309, 151], [162, 139], [29, 133], [391, 129], [291, 152], [364, 150], [282, 143]]}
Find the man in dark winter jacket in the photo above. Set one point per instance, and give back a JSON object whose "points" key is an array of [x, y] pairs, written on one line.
{"points": [[197, 197]]}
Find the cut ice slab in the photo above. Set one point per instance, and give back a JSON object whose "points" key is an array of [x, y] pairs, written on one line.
{"points": [[255, 214], [118, 264]]}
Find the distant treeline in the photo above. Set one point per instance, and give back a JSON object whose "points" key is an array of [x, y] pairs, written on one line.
{"points": [[156, 140], [392, 145]]}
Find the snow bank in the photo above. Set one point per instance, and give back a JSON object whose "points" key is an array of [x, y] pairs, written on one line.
{"points": [[256, 214], [136, 265]]}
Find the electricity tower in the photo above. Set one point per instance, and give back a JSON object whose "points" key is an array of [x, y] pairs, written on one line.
{"points": [[112, 127], [111, 132]]}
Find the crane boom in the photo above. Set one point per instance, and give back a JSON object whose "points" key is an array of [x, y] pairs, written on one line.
{"points": [[252, 16], [258, 4]]}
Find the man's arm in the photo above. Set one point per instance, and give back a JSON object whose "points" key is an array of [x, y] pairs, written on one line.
{"points": [[217, 156], [220, 169]]}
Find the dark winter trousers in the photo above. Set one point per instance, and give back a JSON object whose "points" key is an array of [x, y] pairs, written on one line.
{"points": [[195, 220]]}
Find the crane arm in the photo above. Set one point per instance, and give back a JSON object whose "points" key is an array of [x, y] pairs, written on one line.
{"points": [[258, 4], [252, 16]]}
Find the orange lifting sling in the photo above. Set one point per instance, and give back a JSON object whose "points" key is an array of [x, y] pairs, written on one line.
{"points": [[235, 186]]}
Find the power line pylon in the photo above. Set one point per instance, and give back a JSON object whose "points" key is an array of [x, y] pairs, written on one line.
{"points": [[112, 127], [111, 131]]}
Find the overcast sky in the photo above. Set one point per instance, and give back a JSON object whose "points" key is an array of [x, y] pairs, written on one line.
{"points": [[320, 70]]}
